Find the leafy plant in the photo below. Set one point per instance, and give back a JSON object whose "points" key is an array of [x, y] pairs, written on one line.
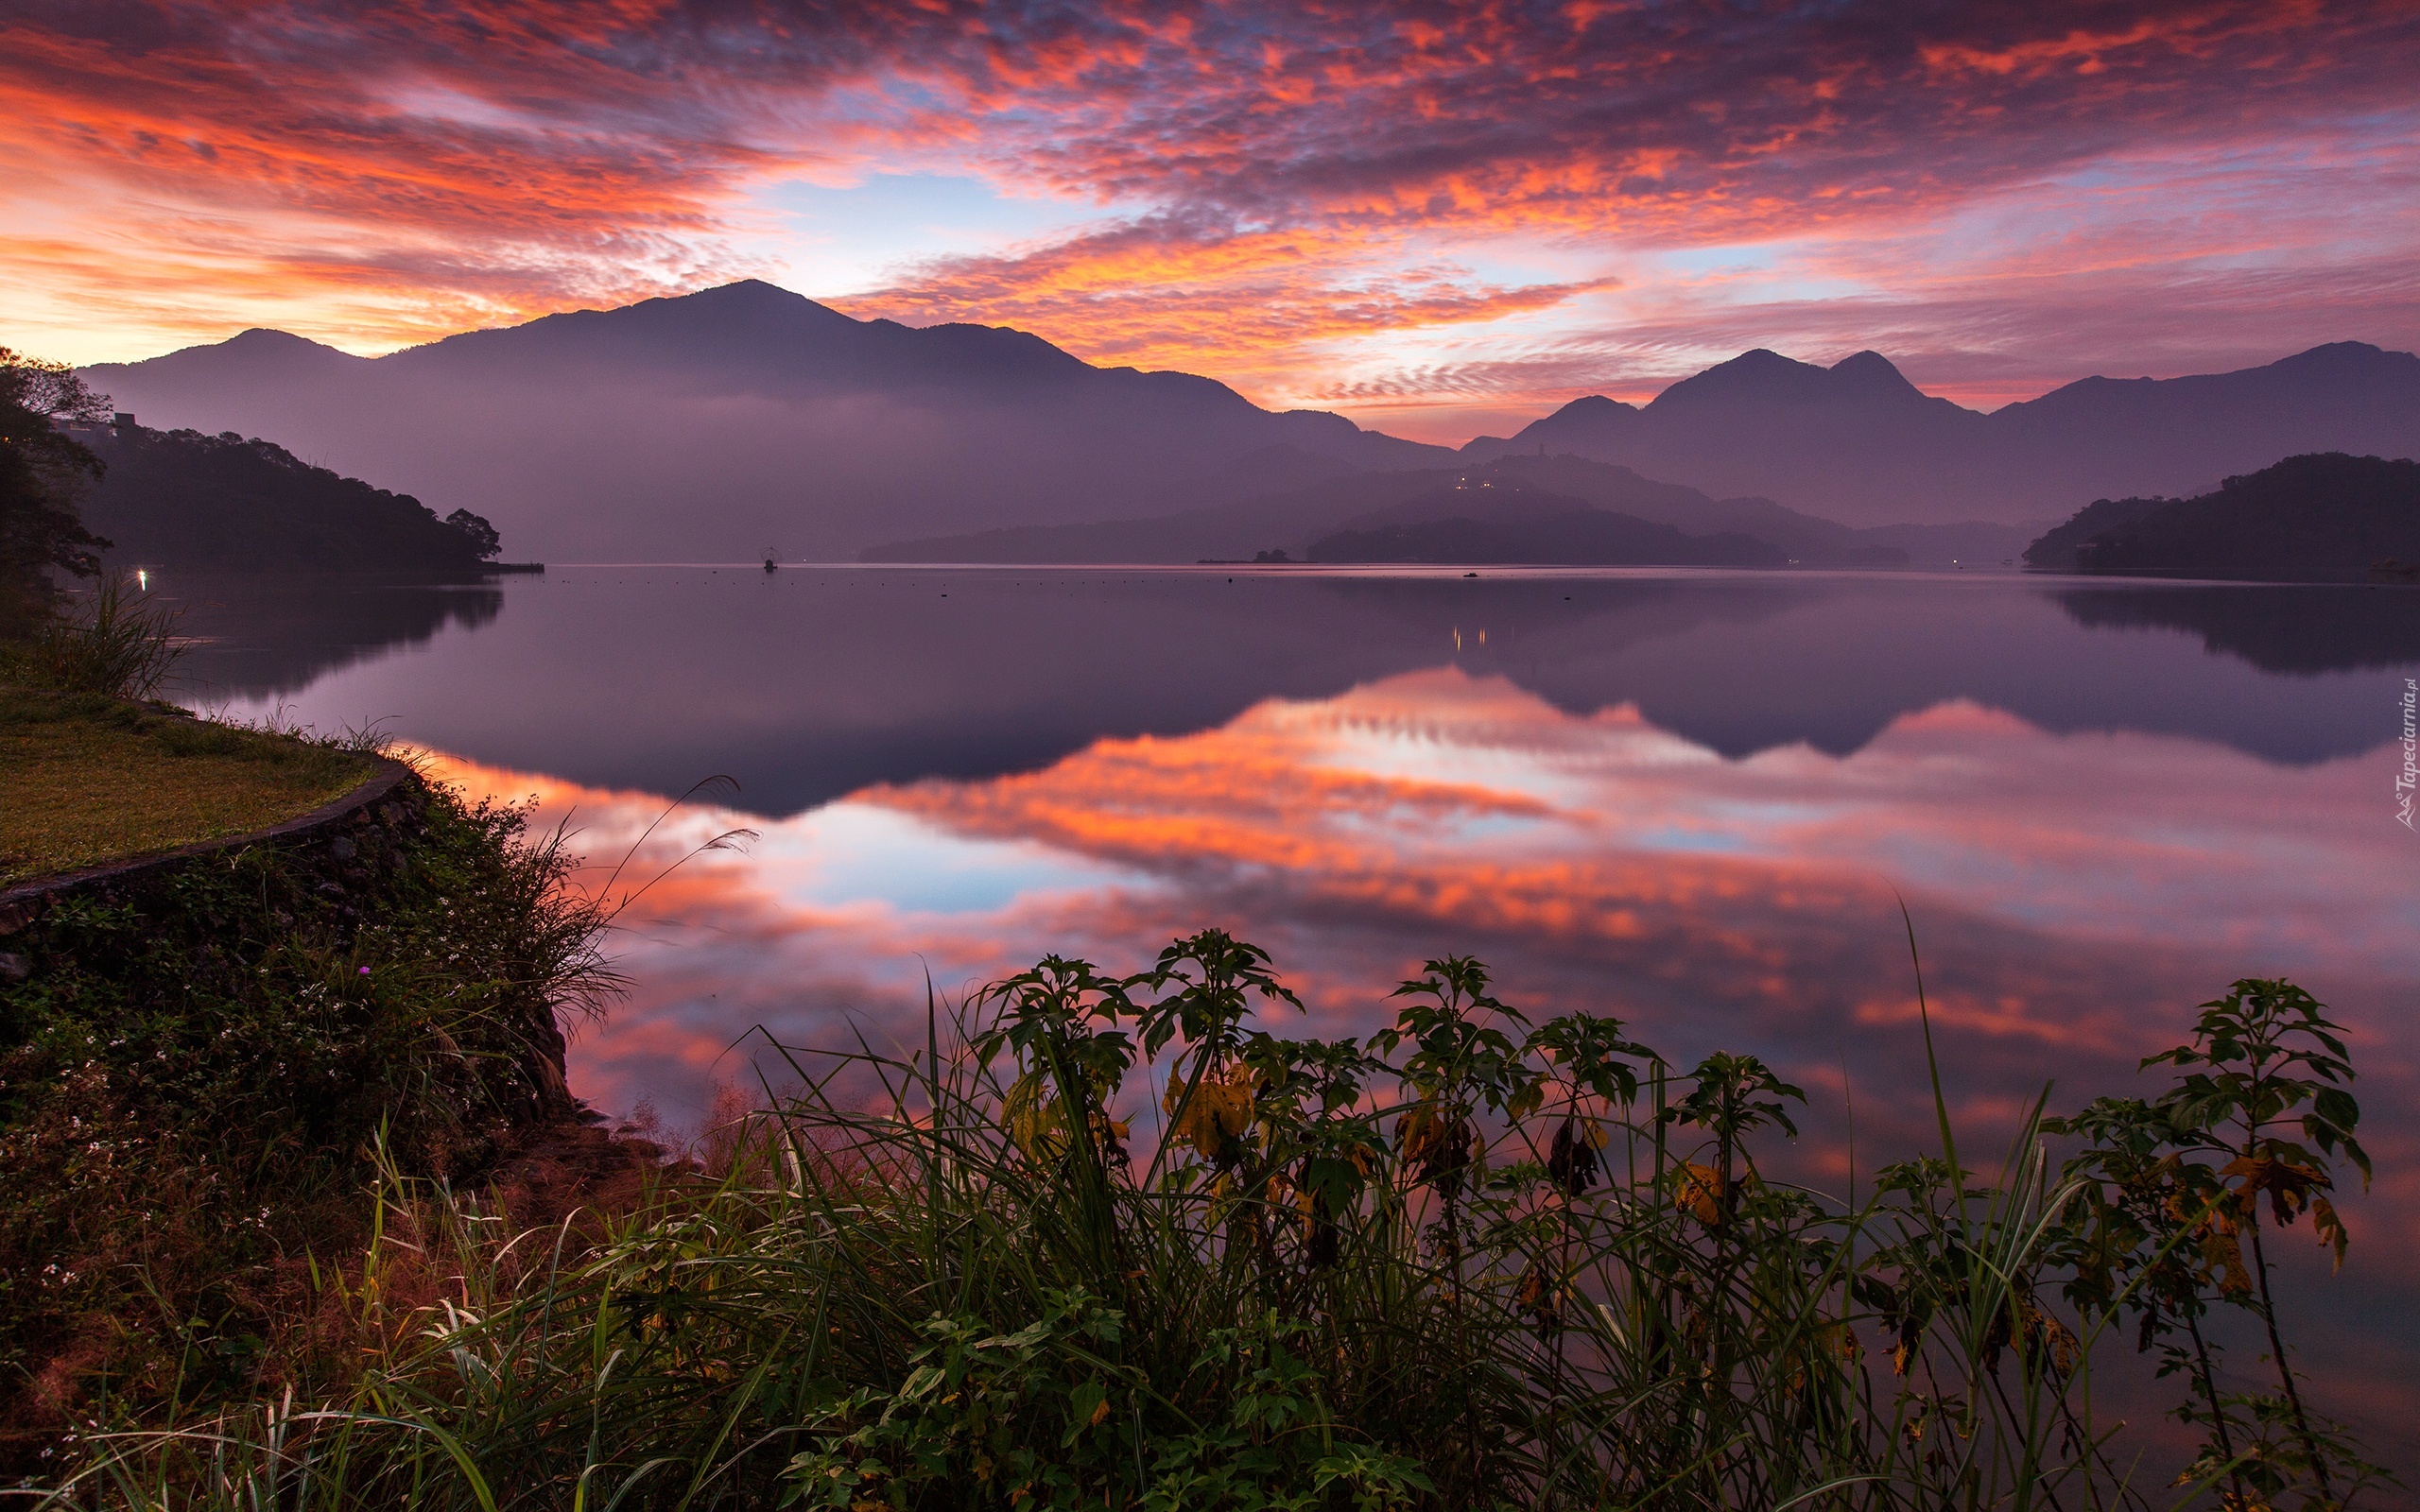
{"points": [[1475, 1262], [2174, 1187]]}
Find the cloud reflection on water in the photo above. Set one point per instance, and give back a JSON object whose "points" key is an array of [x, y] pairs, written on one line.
{"points": [[2074, 895]]}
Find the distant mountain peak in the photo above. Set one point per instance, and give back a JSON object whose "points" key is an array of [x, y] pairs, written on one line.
{"points": [[1763, 376], [752, 288], [1760, 376], [241, 358], [263, 338], [2347, 356], [754, 295], [1871, 372], [748, 297], [1589, 405]]}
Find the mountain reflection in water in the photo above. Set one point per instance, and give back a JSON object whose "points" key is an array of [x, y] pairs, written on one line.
{"points": [[1693, 799], [2319, 627], [808, 684], [2075, 896], [262, 636]]}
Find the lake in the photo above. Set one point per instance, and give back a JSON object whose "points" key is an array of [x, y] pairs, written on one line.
{"points": [[1696, 800]]}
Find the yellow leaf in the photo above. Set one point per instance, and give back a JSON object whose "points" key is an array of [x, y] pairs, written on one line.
{"points": [[1100, 1414], [1218, 1110], [1701, 1192], [2329, 1227], [2224, 1253]]}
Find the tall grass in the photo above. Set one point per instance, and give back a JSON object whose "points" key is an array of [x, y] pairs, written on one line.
{"points": [[1473, 1262], [117, 644]]}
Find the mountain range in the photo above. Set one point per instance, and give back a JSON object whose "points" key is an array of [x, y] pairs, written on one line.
{"points": [[1514, 491], [1858, 442], [712, 425]]}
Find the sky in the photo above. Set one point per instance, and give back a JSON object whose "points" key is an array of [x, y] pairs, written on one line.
{"points": [[1440, 219]]}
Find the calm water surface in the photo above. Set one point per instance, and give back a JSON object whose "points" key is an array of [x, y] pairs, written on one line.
{"points": [[1694, 800]]}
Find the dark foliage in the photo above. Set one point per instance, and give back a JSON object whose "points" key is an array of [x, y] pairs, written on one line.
{"points": [[43, 477], [475, 528], [2056, 550], [182, 499], [1351, 1277], [2322, 518]]}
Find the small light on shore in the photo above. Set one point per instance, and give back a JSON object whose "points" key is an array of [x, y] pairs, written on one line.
{"points": [[142, 581]]}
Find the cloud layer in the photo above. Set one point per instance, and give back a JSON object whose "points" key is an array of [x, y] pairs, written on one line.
{"points": [[1408, 208]]}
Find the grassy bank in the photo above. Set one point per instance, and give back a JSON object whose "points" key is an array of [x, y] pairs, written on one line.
{"points": [[204, 1069], [1103, 1244], [93, 770], [87, 778]]}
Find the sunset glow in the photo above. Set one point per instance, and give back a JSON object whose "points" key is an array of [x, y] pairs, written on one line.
{"points": [[1441, 219]]}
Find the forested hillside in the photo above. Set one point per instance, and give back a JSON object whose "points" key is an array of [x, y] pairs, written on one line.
{"points": [[182, 499]]}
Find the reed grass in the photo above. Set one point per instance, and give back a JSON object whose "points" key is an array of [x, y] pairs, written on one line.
{"points": [[1473, 1262], [118, 646]]}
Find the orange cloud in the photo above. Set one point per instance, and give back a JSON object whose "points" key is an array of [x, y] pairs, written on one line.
{"points": [[1158, 296]]}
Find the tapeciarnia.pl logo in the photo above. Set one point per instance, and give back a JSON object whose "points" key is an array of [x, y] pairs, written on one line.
{"points": [[2406, 779]]}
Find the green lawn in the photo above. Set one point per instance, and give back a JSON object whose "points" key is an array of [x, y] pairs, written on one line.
{"points": [[85, 779]]}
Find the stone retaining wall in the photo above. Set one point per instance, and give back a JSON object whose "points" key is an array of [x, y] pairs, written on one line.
{"points": [[392, 796], [344, 857]]}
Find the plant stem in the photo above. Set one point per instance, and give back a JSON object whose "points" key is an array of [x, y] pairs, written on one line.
{"points": [[2218, 1412], [2285, 1371]]}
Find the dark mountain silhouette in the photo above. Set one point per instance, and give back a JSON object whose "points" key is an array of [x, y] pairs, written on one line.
{"points": [[699, 428], [2056, 549], [2112, 437], [1858, 442], [182, 499], [2324, 518]]}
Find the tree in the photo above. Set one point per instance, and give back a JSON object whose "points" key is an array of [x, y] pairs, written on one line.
{"points": [[482, 536], [43, 477]]}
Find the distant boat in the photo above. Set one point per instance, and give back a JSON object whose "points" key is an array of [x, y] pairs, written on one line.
{"points": [[770, 564]]}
